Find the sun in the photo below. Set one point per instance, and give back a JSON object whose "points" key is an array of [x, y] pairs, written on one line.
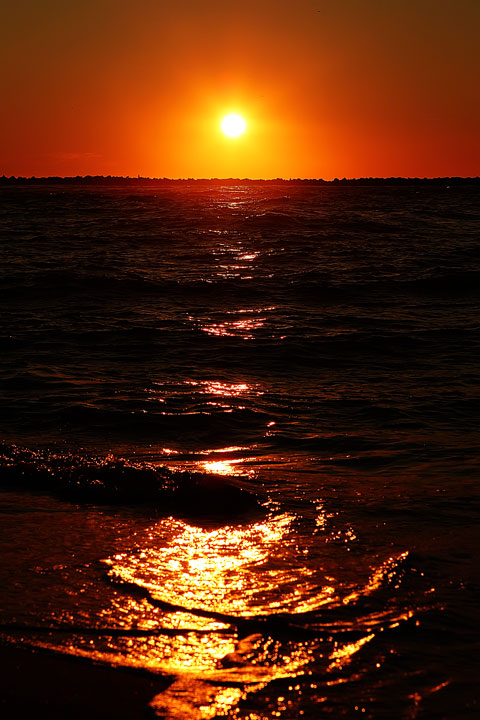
{"points": [[233, 125]]}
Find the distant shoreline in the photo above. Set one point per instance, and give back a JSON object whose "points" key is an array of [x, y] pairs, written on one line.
{"points": [[214, 182]]}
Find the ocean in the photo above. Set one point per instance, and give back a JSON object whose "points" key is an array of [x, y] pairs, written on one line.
{"points": [[239, 442]]}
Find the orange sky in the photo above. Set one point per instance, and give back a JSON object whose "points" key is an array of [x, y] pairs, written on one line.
{"points": [[329, 88]]}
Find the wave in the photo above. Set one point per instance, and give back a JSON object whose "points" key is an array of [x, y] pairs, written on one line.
{"points": [[310, 287], [317, 287], [116, 481]]}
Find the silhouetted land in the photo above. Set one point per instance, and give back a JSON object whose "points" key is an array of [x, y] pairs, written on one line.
{"points": [[136, 181]]}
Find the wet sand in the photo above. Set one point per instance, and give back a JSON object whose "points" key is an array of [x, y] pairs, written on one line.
{"points": [[36, 683]]}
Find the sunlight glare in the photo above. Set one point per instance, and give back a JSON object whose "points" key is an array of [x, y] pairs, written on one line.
{"points": [[233, 125]]}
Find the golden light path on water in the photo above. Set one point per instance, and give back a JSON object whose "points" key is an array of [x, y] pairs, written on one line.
{"points": [[221, 571], [200, 581], [210, 575], [227, 570]]}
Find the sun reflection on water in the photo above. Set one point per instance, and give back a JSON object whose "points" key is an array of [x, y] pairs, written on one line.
{"points": [[201, 584], [241, 323], [204, 579], [342, 654], [223, 570], [231, 328], [221, 467], [163, 391], [226, 389]]}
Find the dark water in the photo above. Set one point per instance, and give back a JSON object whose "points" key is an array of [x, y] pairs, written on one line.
{"points": [[315, 348]]}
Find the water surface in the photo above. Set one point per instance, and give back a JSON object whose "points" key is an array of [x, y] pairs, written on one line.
{"points": [[315, 346]]}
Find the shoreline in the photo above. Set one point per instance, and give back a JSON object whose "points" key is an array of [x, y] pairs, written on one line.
{"points": [[140, 181], [38, 682]]}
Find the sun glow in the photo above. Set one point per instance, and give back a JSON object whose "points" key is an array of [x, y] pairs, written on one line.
{"points": [[233, 125]]}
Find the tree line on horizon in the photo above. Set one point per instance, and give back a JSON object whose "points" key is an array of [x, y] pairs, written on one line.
{"points": [[127, 180]]}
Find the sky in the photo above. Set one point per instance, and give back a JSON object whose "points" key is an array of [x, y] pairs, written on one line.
{"points": [[328, 88]]}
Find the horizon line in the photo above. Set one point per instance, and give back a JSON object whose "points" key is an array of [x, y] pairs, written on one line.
{"points": [[135, 178]]}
